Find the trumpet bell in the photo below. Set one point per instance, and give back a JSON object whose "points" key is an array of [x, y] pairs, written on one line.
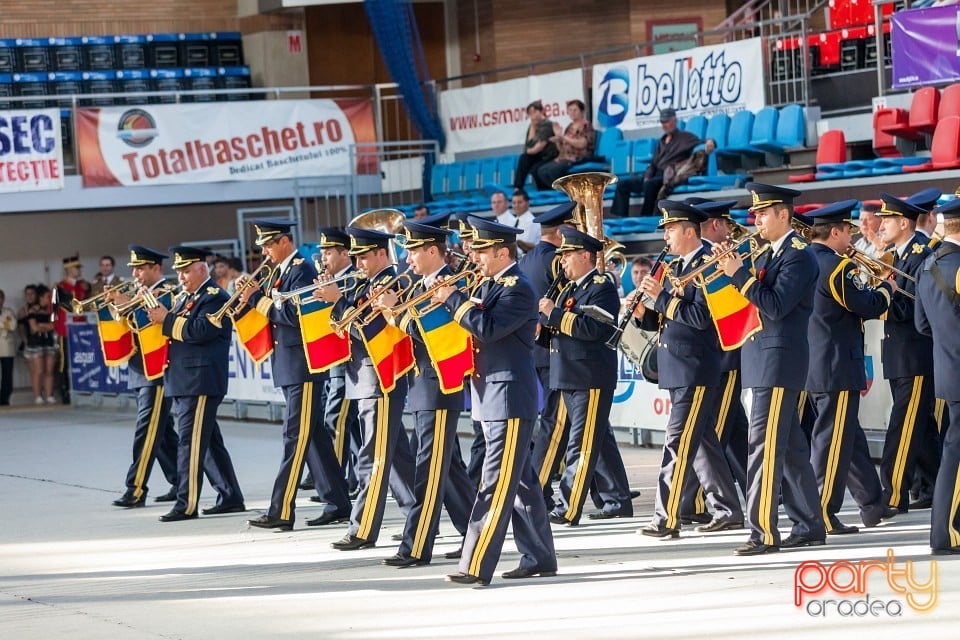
{"points": [[586, 189]]}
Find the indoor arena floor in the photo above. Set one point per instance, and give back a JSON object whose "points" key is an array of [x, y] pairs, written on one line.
{"points": [[73, 566]]}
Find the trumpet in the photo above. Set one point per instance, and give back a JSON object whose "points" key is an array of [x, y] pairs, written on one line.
{"points": [[470, 278], [97, 302], [878, 269], [751, 238], [280, 297], [230, 307], [340, 326], [144, 298]]}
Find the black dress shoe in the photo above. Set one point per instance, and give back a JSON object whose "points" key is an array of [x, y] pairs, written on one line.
{"points": [[220, 508], [129, 502], [841, 529], [793, 541], [175, 516], [949, 551], [269, 522], [922, 503], [659, 531], [328, 518], [354, 493], [463, 578], [317, 499], [556, 518], [720, 524], [532, 572], [306, 484], [605, 515], [454, 555], [752, 548], [397, 537], [890, 512], [696, 518], [169, 496], [634, 494], [401, 561], [351, 543]]}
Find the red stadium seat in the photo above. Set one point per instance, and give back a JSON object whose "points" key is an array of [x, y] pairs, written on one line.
{"points": [[884, 144], [831, 151], [949, 102], [945, 148], [922, 117]]}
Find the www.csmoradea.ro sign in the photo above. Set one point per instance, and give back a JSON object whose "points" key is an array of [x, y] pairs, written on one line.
{"points": [[183, 143]]}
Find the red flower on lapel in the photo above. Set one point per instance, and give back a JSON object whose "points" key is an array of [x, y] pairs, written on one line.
{"points": [[189, 305], [761, 273], [568, 303]]}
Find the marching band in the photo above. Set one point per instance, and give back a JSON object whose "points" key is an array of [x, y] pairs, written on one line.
{"points": [[778, 312]]}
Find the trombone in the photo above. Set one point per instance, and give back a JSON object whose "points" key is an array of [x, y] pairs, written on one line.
{"points": [[230, 307], [879, 269], [683, 281], [470, 278], [353, 315], [97, 302], [279, 297], [144, 298]]}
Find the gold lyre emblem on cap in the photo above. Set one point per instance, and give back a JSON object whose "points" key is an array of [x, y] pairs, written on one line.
{"points": [[177, 257], [133, 256]]}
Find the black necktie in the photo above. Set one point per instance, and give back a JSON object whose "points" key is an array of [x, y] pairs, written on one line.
{"points": [[679, 267]]}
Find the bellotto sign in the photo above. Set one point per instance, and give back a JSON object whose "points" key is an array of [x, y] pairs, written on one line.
{"points": [[187, 143]]}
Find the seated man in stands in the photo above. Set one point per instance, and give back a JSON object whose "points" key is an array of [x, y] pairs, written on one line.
{"points": [[576, 145], [420, 211], [672, 150], [695, 165], [524, 219]]}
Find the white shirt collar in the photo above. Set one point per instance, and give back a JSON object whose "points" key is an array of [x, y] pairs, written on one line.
{"points": [[688, 258], [776, 246], [343, 271], [923, 232], [286, 261], [582, 278], [507, 218], [499, 275], [901, 249], [428, 280]]}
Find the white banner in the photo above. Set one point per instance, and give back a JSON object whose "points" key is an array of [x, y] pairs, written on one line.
{"points": [[216, 142], [716, 79], [249, 382], [31, 155], [495, 114]]}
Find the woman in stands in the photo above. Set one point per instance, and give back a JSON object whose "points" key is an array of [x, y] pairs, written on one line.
{"points": [[576, 145], [41, 349], [539, 146]]}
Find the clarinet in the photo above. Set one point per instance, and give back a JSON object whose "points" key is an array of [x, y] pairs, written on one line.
{"points": [[614, 340], [544, 333]]}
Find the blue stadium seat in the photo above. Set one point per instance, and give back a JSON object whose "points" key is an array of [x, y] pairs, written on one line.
{"points": [[438, 180], [505, 168], [763, 134], [792, 127], [488, 175], [606, 143], [697, 125], [738, 137], [471, 178], [642, 153], [717, 128]]}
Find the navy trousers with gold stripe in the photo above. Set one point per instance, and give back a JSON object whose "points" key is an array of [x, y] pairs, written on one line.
{"points": [[509, 492], [589, 415], [384, 460], [305, 441], [778, 462], [154, 439], [928, 455], [439, 478], [944, 532], [840, 456], [343, 426], [906, 431], [200, 449]]}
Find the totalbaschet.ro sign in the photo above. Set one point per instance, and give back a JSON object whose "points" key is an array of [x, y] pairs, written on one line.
{"points": [[859, 589]]}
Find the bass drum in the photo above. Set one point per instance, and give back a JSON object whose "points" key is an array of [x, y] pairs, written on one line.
{"points": [[640, 347]]}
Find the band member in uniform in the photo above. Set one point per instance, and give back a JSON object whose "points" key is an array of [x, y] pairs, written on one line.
{"points": [[688, 357], [502, 316], [774, 364], [582, 368], [938, 316], [440, 478], [155, 437], [838, 446], [384, 457], [907, 356], [196, 380], [73, 286], [304, 437]]}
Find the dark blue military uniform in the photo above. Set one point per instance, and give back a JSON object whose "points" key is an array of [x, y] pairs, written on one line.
{"points": [[908, 365], [304, 438], [154, 437], [688, 358], [938, 315], [774, 363], [838, 447], [503, 318], [196, 380]]}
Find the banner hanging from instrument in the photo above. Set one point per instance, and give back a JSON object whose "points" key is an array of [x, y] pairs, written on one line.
{"points": [[703, 81], [220, 142], [495, 114], [924, 46], [31, 154]]}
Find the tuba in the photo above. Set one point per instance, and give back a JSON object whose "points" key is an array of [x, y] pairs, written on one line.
{"points": [[383, 220], [586, 189]]}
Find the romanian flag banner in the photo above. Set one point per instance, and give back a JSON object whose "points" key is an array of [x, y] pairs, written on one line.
{"points": [[154, 346], [256, 338], [390, 349], [734, 317], [449, 345], [322, 346], [116, 338]]}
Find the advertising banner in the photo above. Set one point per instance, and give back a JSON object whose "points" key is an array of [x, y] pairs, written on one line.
{"points": [[31, 155], [494, 114], [703, 81], [925, 46], [218, 142]]}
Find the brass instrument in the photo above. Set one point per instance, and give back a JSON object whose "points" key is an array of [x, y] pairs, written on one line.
{"points": [[680, 282], [279, 297], [384, 220], [586, 189], [144, 298], [879, 269], [801, 228], [470, 277], [230, 307], [353, 315], [97, 302], [614, 340]]}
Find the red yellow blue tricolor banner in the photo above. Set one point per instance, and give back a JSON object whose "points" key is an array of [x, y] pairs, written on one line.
{"points": [[321, 345], [734, 317], [390, 349], [154, 346], [116, 338], [449, 345], [256, 338]]}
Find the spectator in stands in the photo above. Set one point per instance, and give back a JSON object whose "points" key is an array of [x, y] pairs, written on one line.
{"points": [[106, 277], [234, 273], [420, 211], [8, 348], [696, 165], [673, 149], [524, 219], [540, 145], [41, 349], [868, 240], [639, 269], [575, 145], [221, 270], [500, 207], [29, 299]]}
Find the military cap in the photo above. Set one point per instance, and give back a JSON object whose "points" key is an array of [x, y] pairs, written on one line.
{"points": [[560, 214], [894, 206], [711, 209], [676, 211], [363, 240], [417, 234], [269, 229], [576, 240], [440, 220], [767, 195], [331, 237], [926, 199], [835, 212], [140, 256], [487, 233], [184, 256], [949, 210], [696, 200], [463, 220]]}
